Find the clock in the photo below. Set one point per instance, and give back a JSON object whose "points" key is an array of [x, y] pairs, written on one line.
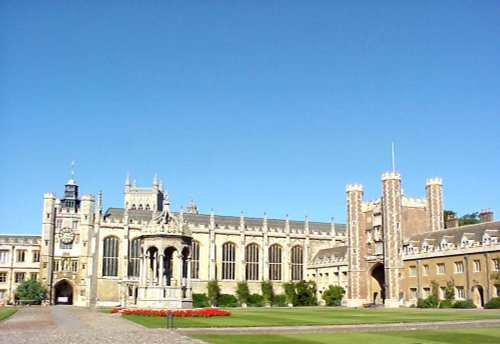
{"points": [[66, 235]]}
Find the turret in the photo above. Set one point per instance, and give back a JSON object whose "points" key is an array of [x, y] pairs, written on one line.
{"points": [[434, 195]]}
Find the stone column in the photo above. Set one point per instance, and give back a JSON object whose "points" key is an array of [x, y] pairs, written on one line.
{"points": [[160, 273], [142, 272], [188, 278], [179, 265]]}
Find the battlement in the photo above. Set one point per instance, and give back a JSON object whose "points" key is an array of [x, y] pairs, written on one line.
{"points": [[88, 197], [434, 181], [414, 202], [50, 195], [391, 176], [353, 187]]}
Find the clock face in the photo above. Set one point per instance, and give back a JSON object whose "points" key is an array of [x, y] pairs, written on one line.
{"points": [[66, 235]]}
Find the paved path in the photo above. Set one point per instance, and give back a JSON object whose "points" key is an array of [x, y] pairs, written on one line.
{"points": [[78, 325], [341, 328]]}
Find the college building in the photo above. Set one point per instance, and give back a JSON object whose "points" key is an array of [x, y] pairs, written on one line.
{"points": [[143, 254]]}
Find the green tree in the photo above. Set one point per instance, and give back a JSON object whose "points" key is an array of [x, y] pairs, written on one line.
{"points": [[213, 292], [242, 292], [449, 292], [435, 289], [290, 293], [31, 290], [333, 295], [306, 293], [468, 219], [267, 292]]}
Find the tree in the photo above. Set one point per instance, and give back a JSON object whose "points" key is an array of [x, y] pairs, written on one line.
{"points": [[242, 292], [31, 290], [290, 293], [333, 295], [469, 219], [306, 293], [449, 292], [213, 292], [267, 292]]}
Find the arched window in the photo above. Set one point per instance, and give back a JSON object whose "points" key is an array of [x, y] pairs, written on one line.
{"points": [[147, 206], [275, 263], [297, 263], [134, 263], [228, 260], [195, 260], [252, 262], [133, 206], [140, 206], [110, 256]]}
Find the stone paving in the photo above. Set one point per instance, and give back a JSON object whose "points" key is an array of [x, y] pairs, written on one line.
{"points": [[78, 325]]}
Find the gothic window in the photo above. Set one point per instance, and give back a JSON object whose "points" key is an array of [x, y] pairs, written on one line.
{"points": [[441, 269], [134, 262], [21, 255], [133, 206], [252, 262], [110, 256], [147, 206], [275, 263], [140, 206], [459, 267], [297, 263], [195, 260], [74, 265], [228, 261]]}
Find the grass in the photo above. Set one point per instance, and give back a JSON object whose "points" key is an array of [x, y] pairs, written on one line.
{"points": [[485, 335], [317, 316], [6, 312]]}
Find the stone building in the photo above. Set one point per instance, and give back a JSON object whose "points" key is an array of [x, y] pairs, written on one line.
{"points": [[143, 254]]}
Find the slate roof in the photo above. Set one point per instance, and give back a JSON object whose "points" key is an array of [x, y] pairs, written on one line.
{"points": [[20, 239], [329, 254], [454, 235], [227, 221]]}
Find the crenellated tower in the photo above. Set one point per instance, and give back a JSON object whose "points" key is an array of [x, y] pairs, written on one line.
{"points": [[434, 195], [356, 291], [392, 217]]}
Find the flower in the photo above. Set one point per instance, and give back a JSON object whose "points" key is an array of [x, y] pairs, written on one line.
{"points": [[203, 312]]}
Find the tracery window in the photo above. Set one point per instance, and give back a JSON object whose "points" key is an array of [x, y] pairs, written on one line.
{"points": [[195, 260], [110, 256], [297, 263], [252, 262], [134, 263], [275, 262], [228, 261]]}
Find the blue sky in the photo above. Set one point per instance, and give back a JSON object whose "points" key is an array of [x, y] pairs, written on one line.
{"points": [[248, 105]]}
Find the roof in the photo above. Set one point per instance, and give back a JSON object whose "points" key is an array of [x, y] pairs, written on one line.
{"points": [[227, 221], [20, 239], [330, 255], [454, 235]]}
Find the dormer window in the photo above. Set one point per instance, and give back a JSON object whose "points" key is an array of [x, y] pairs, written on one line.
{"points": [[486, 239], [465, 241], [425, 247], [444, 244]]}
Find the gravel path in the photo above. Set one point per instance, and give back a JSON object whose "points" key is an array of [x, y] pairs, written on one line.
{"points": [[341, 328], [78, 325]]}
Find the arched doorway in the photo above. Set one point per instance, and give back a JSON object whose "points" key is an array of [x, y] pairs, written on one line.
{"points": [[63, 293], [378, 283], [478, 295]]}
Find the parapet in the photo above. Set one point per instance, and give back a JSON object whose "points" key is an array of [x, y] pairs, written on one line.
{"points": [[49, 195], [391, 176], [353, 187], [434, 181], [88, 197]]}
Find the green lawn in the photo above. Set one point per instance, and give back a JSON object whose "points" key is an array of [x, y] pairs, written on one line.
{"points": [[453, 336], [6, 312], [317, 316]]}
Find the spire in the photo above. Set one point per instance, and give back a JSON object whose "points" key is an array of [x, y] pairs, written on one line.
{"points": [[191, 208], [287, 224], [71, 180], [242, 221], [127, 180], [135, 183], [155, 180], [393, 159], [161, 185], [99, 201], [333, 232]]}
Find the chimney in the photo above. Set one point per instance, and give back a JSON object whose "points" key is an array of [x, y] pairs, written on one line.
{"points": [[486, 215], [451, 221]]}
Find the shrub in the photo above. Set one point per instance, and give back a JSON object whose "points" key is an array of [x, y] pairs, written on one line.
{"points": [[280, 301], [242, 292], [494, 303], [227, 300], [430, 302], [200, 301], [31, 290], [213, 292], [449, 292], [267, 292], [333, 295], [306, 293], [290, 293], [445, 304], [464, 304], [255, 300]]}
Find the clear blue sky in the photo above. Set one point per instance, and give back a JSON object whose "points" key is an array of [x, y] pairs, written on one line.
{"points": [[248, 105]]}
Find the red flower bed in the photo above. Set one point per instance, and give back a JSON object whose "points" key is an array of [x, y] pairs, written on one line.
{"points": [[116, 309], [204, 312]]}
